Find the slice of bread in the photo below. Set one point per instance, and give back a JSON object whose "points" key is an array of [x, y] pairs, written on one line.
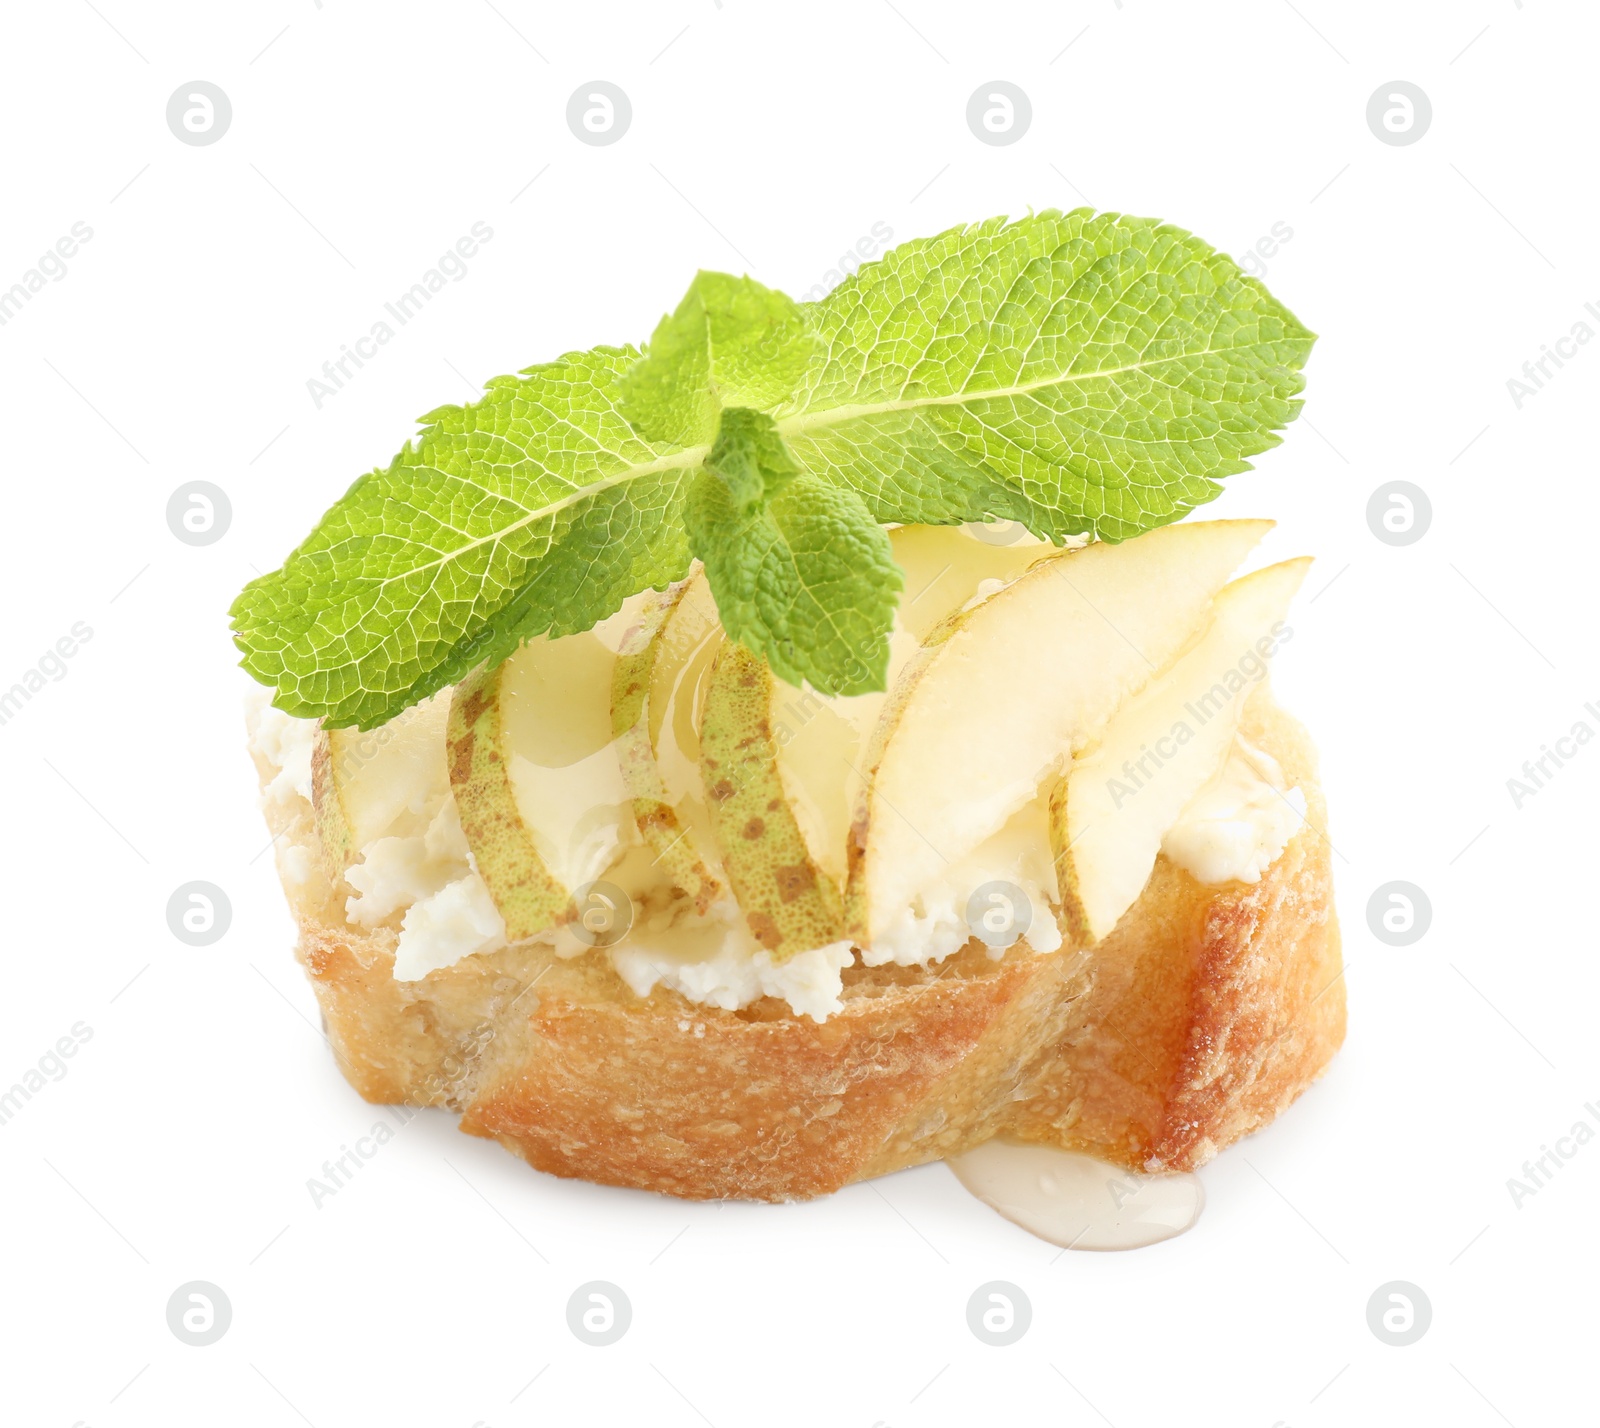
{"points": [[1203, 1015]]}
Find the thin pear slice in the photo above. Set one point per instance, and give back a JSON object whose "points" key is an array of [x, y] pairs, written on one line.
{"points": [[944, 566], [529, 896], [369, 784], [661, 661], [821, 741], [536, 779], [797, 754], [789, 905], [1003, 692], [1117, 801]]}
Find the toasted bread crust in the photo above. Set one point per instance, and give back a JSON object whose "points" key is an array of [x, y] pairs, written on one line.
{"points": [[1212, 1008], [1203, 1015]]}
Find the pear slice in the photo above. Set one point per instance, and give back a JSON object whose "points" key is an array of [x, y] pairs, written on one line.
{"points": [[821, 741], [945, 566], [1117, 801], [789, 904], [816, 743], [655, 693], [528, 894], [373, 783], [1004, 691], [536, 778]]}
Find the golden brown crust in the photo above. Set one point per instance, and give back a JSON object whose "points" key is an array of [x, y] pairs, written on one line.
{"points": [[1204, 1014], [1212, 1008]]}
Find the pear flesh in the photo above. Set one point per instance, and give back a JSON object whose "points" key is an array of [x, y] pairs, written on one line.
{"points": [[657, 675], [1004, 691], [541, 795], [826, 818], [1119, 799], [789, 904], [375, 783], [789, 759]]}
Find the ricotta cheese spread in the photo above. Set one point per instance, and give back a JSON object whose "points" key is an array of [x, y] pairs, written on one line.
{"points": [[719, 964], [1238, 824], [449, 913], [429, 878], [285, 743], [1233, 829], [1011, 875]]}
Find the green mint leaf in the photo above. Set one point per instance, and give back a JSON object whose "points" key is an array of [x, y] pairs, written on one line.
{"points": [[804, 577], [537, 508], [750, 457], [730, 343], [1077, 372]]}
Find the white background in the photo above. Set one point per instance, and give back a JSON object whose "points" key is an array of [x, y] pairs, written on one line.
{"points": [[365, 140]]}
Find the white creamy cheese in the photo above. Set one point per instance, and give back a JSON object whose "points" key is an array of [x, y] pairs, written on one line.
{"points": [[298, 864], [935, 924], [285, 743], [449, 913], [715, 961], [1234, 828], [723, 966], [457, 921], [1238, 824]]}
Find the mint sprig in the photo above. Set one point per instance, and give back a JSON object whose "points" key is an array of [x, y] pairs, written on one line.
{"points": [[801, 573], [1078, 372]]}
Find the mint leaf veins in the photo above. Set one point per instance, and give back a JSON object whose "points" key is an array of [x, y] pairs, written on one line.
{"points": [[731, 342]]}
